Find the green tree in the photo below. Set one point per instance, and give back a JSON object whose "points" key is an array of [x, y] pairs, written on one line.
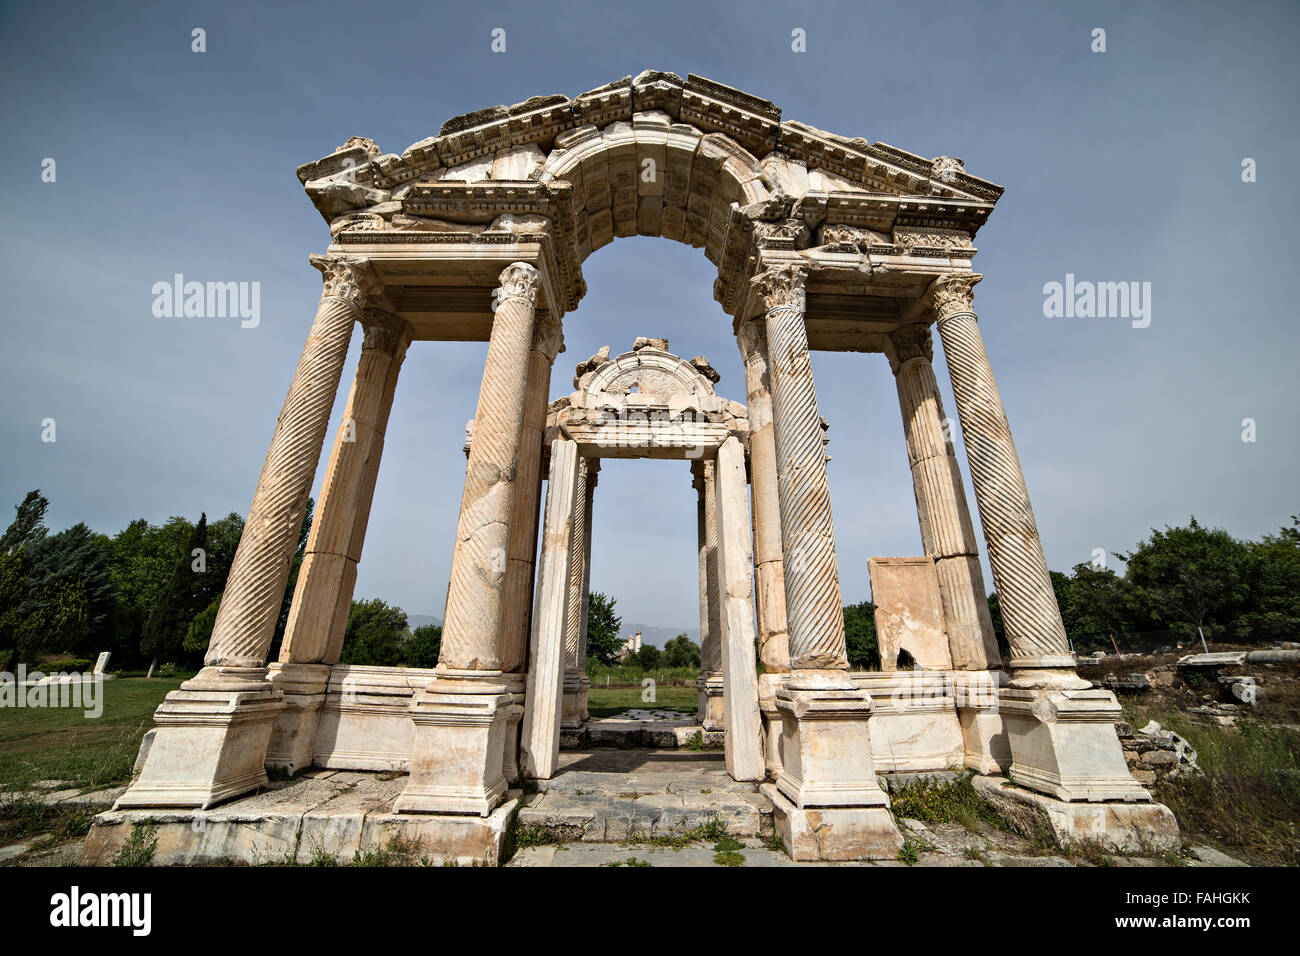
{"points": [[860, 635], [422, 648], [1098, 607], [1185, 578], [1274, 606], [648, 658], [168, 622], [198, 634], [999, 627], [681, 651], [375, 634], [603, 626], [28, 525]]}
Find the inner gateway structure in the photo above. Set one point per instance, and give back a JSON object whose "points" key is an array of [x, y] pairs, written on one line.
{"points": [[821, 242]]}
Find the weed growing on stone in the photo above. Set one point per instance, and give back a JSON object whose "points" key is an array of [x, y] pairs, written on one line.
{"points": [[139, 848]]}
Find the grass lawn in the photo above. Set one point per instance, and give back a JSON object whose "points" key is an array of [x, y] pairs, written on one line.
{"points": [[609, 701], [1248, 796], [63, 744]]}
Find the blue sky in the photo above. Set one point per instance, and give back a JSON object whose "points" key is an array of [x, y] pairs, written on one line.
{"points": [[1118, 166]]}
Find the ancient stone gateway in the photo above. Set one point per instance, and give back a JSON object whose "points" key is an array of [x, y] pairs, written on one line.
{"points": [[821, 242]]}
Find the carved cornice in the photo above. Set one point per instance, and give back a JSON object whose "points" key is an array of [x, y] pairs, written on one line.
{"points": [[951, 294], [907, 343], [518, 280], [349, 278], [548, 337], [781, 287]]}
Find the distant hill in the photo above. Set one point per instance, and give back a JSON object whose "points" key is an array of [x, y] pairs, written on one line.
{"points": [[419, 620], [658, 636]]}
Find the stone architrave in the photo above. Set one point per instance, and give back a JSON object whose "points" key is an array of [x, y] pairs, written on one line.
{"points": [[461, 718], [1061, 731], [323, 597], [909, 612], [744, 739], [540, 737], [212, 735]]}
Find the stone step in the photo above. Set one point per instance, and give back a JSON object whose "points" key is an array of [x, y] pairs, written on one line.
{"points": [[616, 796]]}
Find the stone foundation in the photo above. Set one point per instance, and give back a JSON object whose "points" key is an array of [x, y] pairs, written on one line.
{"points": [[833, 833]]}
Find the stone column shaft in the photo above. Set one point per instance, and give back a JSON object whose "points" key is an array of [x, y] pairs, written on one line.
{"points": [[318, 615], [702, 538], [475, 597], [744, 740], [769, 575], [250, 605], [946, 530], [711, 653], [1033, 620], [814, 609], [524, 523], [540, 739]]}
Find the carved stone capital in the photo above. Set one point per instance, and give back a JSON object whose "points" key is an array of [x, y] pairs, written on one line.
{"points": [[548, 337], [384, 331], [907, 343], [349, 278], [781, 287], [752, 337], [518, 280], [951, 294]]}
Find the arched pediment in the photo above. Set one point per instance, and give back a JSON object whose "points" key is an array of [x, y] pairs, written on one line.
{"points": [[691, 160]]}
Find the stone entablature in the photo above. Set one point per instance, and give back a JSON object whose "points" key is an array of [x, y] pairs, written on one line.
{"points": [[690, 160]]}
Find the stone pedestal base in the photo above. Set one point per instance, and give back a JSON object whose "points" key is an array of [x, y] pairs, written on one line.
{"points": [[833, 833], [710, 712], [365, 722], [1118, 827], [516, 687], [210, 741], [768, 685], [458, 748], [573, 706], [1063, 741], [825, 743], [293, 737], [986, 748]]}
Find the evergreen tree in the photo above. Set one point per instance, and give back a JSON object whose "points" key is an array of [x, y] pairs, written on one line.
{"points": [[169, 619], [860, 635], [603, 625]]}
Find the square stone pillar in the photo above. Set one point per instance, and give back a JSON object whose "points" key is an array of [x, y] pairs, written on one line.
{"points": [[540, 737], [744, 737], [710, 684], [574, 619]]}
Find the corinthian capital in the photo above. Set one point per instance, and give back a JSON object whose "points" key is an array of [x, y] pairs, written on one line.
{"points": [[548, 337], [752, 336], [907, 343], [948, 295], [781, 287], [518, 280], [349, 278], [384, 331]]}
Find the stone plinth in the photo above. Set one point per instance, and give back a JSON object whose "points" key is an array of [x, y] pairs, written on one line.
{"points": [[365, 721], [1144, 827], [833, 833]]}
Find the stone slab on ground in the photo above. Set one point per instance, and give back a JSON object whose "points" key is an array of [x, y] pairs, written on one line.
{"points": [[603, 796], [657, 730], [336, 815]]}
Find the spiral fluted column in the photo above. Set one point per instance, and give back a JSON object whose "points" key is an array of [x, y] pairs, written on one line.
{"points": [[769, 575], [814, 610], [517, 616], [250, 605], [475, 597], [1034, 628], [946, 530]]}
